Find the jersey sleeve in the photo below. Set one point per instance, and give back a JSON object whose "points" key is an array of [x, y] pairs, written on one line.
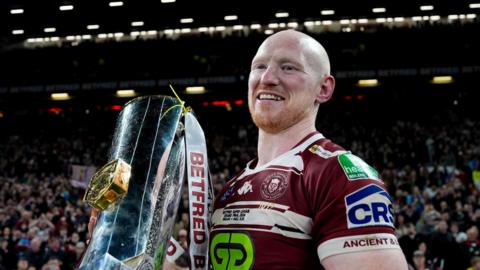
{"points": [[351, 208]]}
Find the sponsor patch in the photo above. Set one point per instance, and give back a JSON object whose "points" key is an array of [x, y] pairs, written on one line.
{"points": [[274, 186], [232, 251], [369, 206], [355, 168]]}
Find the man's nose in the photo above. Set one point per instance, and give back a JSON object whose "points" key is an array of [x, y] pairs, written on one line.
{"points": [[270, 76]]}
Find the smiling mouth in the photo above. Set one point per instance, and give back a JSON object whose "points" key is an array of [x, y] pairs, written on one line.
{"points": [[269, 97]]}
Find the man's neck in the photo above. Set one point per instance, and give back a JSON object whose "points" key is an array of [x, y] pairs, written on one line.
{"points": [[272, 145]]}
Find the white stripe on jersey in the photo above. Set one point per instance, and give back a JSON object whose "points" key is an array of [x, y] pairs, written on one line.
{"points": [[261, 204], [356, 243], [288, 159], [264, 215]]}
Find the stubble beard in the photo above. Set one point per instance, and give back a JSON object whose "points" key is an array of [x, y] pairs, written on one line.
{"points": [[278, 122]]}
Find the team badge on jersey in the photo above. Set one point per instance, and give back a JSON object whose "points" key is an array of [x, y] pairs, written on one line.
{"points": [[369, 206], [355, 168], [274, 186]]}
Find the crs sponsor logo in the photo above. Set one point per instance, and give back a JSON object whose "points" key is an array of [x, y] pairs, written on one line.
{"points": [[369, 206]]}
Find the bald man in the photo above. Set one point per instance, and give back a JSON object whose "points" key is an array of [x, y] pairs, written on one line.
{"points": [[304, 202]]}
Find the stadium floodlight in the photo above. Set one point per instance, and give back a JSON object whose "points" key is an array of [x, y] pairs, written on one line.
{"points": [[186, 30], [398, 19], [66, 7], [55, 39], [60, 96], [255, 26], [367, 83], [137, 23], [168, 1], [471, 16], [126, 93], [49, 29], [231, 17], [327, 12], [281, 14], [435, 18], [186, 20], [16, 11], [327, 22], [427, 7], [220, 28], [442, 79], [237, 27], [474, 5], [381, 20], [292, 24], [268, 32], [203, 29], [273, 25], [93, 26], [17, 31], [363, 20], [346, 21], [116, 4], [195, 90], [379, 10]]}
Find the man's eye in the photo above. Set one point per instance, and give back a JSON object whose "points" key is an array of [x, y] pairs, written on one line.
{"points": [[260, 66], [288, 68]]}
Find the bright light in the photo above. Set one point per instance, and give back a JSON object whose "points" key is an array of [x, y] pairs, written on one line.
{"points": [[281, 14], [195, 90], [379, 10], [117, 35], [60, 96], [381, 20], [273, 25], [268, 32], [416, 18], [292, 24], [344, 21], [126, 93], [168, 1], [17, 31], [434, 18], [453, 17], [54, 38], [442, 79], [93, 26], [327, 12], [424, 8], [203, 29], [471, 16], [220, 28], [237, 27], [255, 26], [116, 4], [231, 17], [328, 22], [86, 36], [16, 11], [398, 19], [474, 5], [102, 35], [185, 30], [66, 7], [186, 20], [49, 29], [137, 23], [363, 21], [368, 83]]}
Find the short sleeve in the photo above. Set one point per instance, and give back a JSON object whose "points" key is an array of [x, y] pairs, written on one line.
{"points": [[351, 208]]}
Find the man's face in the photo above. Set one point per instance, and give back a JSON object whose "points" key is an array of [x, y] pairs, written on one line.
{"points": [[282, 85]]}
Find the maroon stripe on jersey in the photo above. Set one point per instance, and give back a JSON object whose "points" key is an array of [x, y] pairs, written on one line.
{"points": [[278, 167], [246, 226], [255, 206]]}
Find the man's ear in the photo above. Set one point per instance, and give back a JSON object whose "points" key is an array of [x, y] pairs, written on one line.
{"points": [[325, 90]]}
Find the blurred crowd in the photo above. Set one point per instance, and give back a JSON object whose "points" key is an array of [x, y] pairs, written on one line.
{"points": [[432, 169]]}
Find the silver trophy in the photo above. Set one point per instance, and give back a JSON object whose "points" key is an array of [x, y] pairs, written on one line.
{"points": [[138, 191]]}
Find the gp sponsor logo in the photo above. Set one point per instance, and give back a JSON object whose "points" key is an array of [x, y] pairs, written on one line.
{"points": [[355, 168], [369, 206], [231, 251]]}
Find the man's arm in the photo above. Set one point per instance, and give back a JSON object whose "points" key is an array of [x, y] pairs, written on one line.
{"points": [[391, 259]]}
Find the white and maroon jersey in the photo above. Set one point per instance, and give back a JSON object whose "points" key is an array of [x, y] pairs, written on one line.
{"points": [[313, 201]]}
